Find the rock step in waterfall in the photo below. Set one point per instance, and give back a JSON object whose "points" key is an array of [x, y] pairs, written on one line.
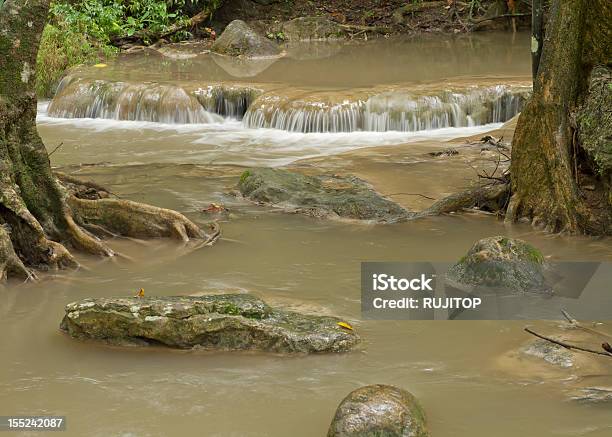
{"points": [[290, 110]]}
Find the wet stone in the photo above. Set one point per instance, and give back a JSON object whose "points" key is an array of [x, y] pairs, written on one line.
{"points": [[332, 196], [238, 39], [502, 263], [218, 322], [379, 411]]}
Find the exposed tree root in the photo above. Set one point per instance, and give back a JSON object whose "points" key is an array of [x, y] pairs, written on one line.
{"points": [[132, 219], [10, 264], [40, 218], [491, 197]]}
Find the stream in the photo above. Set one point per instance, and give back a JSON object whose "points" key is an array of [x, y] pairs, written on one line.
{"points": [[176, 129]]}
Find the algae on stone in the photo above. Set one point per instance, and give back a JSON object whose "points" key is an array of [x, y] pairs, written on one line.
{"points": [[379, 411], [501, 263], [221, 322], [311, 28], [319, 196]]}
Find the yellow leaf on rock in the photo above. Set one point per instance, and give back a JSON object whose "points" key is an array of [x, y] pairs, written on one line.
{"points": [[100, 65], [345, 325]]}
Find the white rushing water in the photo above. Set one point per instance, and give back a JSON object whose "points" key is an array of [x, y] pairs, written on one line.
{"points": [[224, 142], [290, 109]]}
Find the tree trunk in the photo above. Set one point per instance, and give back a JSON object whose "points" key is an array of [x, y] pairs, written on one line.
{"points": [[545, 158], [37, 223]]}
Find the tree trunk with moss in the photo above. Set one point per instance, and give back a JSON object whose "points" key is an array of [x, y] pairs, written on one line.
{"points": [[547, 160], [40, 218]]}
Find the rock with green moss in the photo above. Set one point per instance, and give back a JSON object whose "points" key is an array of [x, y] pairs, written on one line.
{"points": [[311, 28], [220, 322], [379, 411], [500, 263], [238, 39], [319, 196]]}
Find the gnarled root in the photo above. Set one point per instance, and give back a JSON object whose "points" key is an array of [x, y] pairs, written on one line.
{"points": [[10, 264], [133, 219]]}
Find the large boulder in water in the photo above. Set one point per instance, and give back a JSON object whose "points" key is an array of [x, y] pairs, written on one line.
{"points": [[238, 39], [379, 411], [319, 196], [500, 263], [221, 322]]}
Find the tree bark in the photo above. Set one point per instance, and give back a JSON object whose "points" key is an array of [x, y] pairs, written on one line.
{"points": [[37, 223], [537, 32], [544, 155]]}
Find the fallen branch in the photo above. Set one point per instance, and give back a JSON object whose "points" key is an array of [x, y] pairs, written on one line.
{"points": [[411, 194], [567, 345], [146, 35], [577, 324], [495, 17], [55, 150], [491, 196], [355, 27]]}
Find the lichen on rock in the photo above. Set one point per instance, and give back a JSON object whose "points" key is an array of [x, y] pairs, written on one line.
{"points": [[379, 411], [238, 39], [311, 28], [500, 263], [326, 196], [219, 322]]}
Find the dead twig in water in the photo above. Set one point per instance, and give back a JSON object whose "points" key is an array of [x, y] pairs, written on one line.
{"points": [[567, 345], [55, 150], [572, 321], [411, 194]]}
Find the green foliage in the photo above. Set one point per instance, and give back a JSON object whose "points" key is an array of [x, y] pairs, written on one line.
{"points": [[107, 19], [62, 47], [83, 31], [278, 36]]}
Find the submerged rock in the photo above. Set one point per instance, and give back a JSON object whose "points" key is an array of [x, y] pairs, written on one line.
{"points": [[319, 196], [238, 39], [501, 263], [221, 322], [311, 28], [593, 395], [549, 352], [379, 411]]}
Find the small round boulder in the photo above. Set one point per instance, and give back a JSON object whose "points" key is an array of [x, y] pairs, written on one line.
{"points": [[500, 263], [379, 411], [238, 39]]}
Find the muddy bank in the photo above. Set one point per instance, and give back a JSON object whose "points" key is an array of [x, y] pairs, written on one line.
{"points": [[371, 18]]}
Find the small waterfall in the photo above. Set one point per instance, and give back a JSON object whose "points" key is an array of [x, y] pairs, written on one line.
{"points": [[305, 116], [388, 111], [227, 101], [125, 101]]}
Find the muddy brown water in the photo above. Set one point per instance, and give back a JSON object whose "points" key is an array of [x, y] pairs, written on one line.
{"points": [[287, 260]]}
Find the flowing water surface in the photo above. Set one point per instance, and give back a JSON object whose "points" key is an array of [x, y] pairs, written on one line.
{"points": [[373, 109]]}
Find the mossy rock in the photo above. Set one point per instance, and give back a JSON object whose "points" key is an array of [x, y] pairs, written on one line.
{"points": [[379, 411], [238, 39], [311, 28], [500, 263], [319, 196], [220, 322]]}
